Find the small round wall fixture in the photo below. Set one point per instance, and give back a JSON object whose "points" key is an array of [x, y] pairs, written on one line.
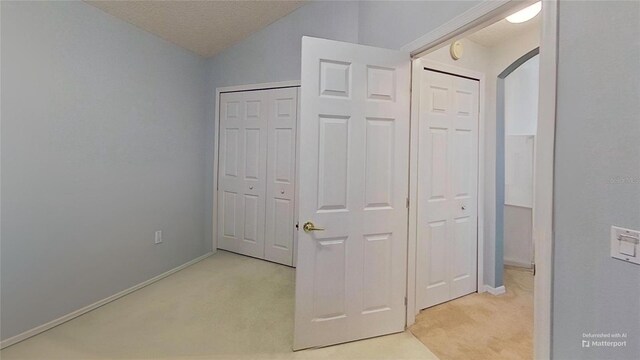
{"points": [[456, 50]]}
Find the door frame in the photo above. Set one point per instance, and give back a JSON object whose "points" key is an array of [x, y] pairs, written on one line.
{"points": [[501, 141], [418, 66], [468, 22], [216, 147]]}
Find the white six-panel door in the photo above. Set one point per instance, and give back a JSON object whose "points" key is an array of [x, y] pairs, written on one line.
{"points": [[447, 188], [242, 172], [354, 157]]}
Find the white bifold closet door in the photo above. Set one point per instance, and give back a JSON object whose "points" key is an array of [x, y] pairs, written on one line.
{"points": [[280, 232], [447, 188], [257, 173], [243, 167]]}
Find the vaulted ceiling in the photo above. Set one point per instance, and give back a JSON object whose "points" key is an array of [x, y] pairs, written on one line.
{"points": [[204, 27]]}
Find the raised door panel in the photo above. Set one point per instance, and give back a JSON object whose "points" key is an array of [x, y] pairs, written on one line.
{"points": [[333, 163], [284, 159], [230, 164], [251, 219], [377, 273], [283, 228], [335, 78], [228, 213], [434, 254], [436, 160], [381, 83], [330, 266], [463, 257], [252, 154], [379, 162]]}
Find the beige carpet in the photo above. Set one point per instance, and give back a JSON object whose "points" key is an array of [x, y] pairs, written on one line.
{"points": [[225, 307], [482, 326]]}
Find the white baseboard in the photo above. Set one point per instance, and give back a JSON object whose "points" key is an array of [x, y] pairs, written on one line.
{"points": [[495, 291], [517, 263], [44, 327]]}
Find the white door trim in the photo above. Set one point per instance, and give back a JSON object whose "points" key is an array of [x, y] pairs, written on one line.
{"points": [[467, 22], [216, 144], [417, 72], [543, 182]]}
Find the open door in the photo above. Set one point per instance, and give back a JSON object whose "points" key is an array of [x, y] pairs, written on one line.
{"points": [[353, 175]]}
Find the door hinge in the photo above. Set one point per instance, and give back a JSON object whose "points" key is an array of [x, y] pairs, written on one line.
{"points": [[405, 301], [407, 203]]}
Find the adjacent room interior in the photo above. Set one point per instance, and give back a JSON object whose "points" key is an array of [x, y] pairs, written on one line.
{"points": [[293, 180], [502, 60]]}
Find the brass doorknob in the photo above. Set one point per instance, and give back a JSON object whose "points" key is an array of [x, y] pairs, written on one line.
{"points": [[308, 227]]}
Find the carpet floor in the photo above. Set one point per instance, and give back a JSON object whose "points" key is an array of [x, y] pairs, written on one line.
{"points": [[226, 306], [482, 326]]}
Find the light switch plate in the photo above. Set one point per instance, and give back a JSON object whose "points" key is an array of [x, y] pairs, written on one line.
{"points": [[625, 244]]}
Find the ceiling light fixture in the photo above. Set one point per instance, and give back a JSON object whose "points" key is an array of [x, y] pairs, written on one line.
{"points": [[525, 14]]}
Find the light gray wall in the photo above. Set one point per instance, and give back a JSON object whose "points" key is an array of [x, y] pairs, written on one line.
{"points": [[503, 55], [521, 98], [518, 96], [273, 54], [518, 241], [103, 138], [597, 176], [103, 127]]}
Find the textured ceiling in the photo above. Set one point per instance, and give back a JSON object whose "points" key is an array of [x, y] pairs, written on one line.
{"points": [[502, 30], [204, 27]]}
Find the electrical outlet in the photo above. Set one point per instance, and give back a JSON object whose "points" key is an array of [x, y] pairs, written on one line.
{"points": [[158, 238]]}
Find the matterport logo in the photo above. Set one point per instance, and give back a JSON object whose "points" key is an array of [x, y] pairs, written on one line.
{"points": [[608, 340]]}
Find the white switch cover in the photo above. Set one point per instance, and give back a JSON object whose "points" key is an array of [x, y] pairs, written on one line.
{"points": [[158, 238], [625, 244], [627, 248]]}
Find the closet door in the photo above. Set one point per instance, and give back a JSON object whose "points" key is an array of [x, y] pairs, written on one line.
{"points": [[243, 167], [447, 188], [281, 153]]}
